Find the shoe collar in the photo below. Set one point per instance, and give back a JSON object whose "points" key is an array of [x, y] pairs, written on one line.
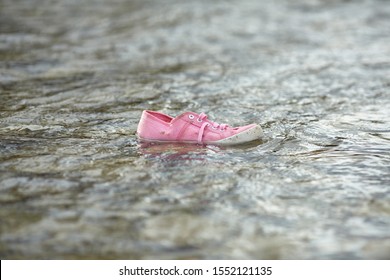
{"points": [[186, 116]]}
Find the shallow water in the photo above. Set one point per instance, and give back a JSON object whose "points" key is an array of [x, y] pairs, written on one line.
{"points": [[76, 75]]}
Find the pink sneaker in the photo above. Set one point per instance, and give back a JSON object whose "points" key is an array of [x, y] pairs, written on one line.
{"points": [[193, 128]]}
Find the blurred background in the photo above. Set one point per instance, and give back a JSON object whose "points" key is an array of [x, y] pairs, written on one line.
{"points": [[76, 75]]}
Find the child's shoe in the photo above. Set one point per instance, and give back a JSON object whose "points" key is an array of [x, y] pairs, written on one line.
{"points": [[193, 128]]}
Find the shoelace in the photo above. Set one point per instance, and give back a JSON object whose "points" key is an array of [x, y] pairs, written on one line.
{"points": [[203, 117], [206, 122]]}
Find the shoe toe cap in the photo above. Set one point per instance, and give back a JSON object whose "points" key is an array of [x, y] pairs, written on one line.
{"points": [[243, 135]]}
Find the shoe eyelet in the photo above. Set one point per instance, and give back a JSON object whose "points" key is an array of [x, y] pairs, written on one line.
{"points": [[199, 120], [214, 127], [191, 117]]}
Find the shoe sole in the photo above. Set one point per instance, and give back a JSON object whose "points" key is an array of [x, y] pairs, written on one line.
{"points": [[245, 136]]}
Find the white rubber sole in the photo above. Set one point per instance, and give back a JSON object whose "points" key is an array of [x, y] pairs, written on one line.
{"points": [[252, 134]]}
